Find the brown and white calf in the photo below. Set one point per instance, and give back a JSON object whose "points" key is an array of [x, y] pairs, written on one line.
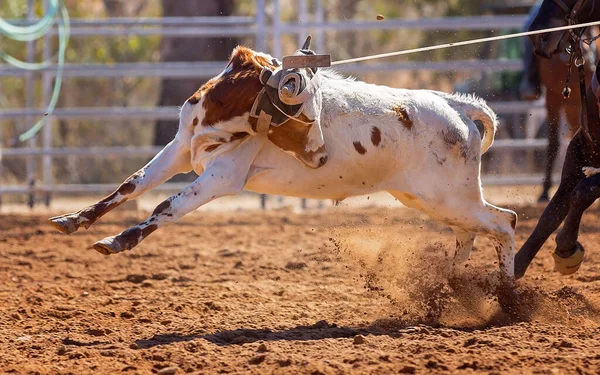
{"points": [[423, 147]]}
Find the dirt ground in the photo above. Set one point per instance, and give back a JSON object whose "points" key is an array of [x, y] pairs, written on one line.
{"points": [[338, 290]]}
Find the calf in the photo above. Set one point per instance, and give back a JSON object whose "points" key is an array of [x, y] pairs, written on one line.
{"points": [[423, 147]]}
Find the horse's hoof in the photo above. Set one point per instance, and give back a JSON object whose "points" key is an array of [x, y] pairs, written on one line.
{"points": [[570, 265], [108, 246], [66, 224]]}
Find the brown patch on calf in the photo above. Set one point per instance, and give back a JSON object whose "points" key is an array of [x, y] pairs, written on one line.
{"points": [[161, 208], [292, 136], [194, 99], [233, 93], [94, 212], [195, 122], [130, 238], [149, 229], [403, 116], [359, 148], [375, 135], [126, 188]]}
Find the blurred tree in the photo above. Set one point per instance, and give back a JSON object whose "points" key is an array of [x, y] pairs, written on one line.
{"points": [[175, 91], [116, 8]]}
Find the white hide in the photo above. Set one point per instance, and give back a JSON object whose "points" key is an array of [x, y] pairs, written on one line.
{"points": [[432, 165], [350, 111]]}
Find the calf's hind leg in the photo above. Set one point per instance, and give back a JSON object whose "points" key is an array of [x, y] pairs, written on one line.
{"points": [[469, 215], [171, 160], [484, 219]]}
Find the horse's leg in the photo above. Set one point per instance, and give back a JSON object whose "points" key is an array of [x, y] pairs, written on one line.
{"points": [[573, 112], [558, 207], [171, 160], [553, 105], [585, 193]]}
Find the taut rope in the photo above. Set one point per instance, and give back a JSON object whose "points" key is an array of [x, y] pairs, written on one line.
{"points": [[464, 43]]}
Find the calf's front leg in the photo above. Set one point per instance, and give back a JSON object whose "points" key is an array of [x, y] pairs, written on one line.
{"points": [[171, 160], [225, 175]]}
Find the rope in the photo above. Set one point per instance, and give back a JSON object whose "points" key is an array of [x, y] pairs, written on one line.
{"points": [[56, 13], [464, 43]]}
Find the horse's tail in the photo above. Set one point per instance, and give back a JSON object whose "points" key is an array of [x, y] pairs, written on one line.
{"points": [[480, 113]]}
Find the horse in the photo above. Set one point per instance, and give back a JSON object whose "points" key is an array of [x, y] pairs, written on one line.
{"points": [[580, 183], [324, 136], [556, 104]]}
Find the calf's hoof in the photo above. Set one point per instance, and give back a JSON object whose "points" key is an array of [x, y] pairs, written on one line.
{"points": [[569, 265], [509, 298], [521, 264], [67, 224], [109, 245]]}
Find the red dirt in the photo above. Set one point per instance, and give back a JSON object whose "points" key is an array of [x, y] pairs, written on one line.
{"points": [[325, 292]]}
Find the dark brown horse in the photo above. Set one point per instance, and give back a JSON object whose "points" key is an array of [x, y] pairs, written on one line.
{"points": [[553, 73], [576, 191]]}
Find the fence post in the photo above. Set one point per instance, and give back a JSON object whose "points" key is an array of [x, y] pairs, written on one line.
{"points": [[29, 102], [276, 30], [260, 20], [320, 34], [1, 163], [47, 176], [263, 201]]}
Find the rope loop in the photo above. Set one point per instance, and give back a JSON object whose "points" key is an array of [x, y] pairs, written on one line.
{"points": [[56, 13]]}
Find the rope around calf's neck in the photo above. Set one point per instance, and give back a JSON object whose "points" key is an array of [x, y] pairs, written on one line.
{"points": [[463, 43]]}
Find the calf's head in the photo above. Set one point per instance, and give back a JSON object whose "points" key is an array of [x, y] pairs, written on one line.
{"points": [[228, 99]]}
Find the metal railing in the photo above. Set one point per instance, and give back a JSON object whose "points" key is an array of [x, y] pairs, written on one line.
{"points": [[263, 32]]}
